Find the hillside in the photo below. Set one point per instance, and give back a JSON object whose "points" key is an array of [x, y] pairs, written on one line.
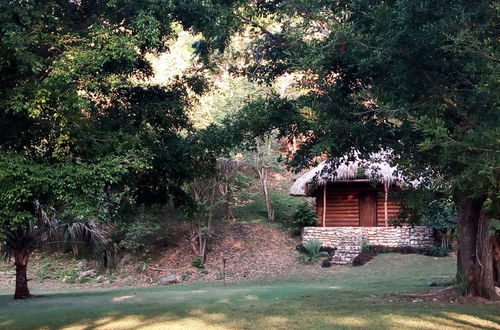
{"points": [[253, 251], [253, 247]]}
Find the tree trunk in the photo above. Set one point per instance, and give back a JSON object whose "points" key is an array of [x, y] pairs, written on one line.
{"points": [[269, 208], [496, 259], [475, 258], [21, 262], [229, 204]]}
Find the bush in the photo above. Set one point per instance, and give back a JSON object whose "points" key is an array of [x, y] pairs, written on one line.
{"points": [[328, 249], [254, 210], [365, 247], [142, 227], [433, 251], [312, 252], [436, 251], [362, 258], [197, 262], [304, 216], [138, 235], [300, 248]]}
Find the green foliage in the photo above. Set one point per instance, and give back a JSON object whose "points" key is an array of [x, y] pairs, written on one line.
{"points": [[436, 251], [140, 228], [433, 251], [441, 215], [311, 252], [197, 262], [243, 180], [139, 235], [69, 275], [363, 258], [43, 272], [255, 210], [304, 216], [365, 246], [401, 75], [81, 129]]}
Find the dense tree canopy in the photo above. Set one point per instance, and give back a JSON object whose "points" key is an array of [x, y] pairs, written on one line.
{"points": [[84, 130], [420, 78], [81, 128]]}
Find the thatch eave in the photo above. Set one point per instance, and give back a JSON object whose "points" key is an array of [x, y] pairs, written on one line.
{"points": [[376, 169]]}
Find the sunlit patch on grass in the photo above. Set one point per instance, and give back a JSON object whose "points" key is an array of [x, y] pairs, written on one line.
{"points": [[449, 320], [275, 321], [471, 320], [348, 321], [103, 320], [122, 298], [405, 322], [201, 321], [346, 299]]}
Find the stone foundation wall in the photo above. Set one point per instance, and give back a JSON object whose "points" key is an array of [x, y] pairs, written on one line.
{"points": [[418, 236]]}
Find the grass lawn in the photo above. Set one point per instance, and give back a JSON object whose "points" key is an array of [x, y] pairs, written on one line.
{"points": [[350, 298]]}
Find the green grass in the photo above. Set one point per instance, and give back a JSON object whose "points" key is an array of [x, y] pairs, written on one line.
{"points": [[351, 297], [255, 211]]}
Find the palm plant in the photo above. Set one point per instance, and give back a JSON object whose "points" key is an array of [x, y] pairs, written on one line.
{"points": [[44, 228]]}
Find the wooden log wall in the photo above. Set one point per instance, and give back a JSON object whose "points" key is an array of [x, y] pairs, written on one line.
{"points": [[392, 209], [342, 205]]}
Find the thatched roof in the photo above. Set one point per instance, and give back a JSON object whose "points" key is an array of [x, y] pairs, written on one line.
{"points": [[376, 168]]}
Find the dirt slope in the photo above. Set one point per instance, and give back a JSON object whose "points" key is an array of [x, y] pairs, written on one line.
{"points": [[251, 251]]}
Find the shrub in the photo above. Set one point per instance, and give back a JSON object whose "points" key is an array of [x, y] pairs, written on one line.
{"points": [[44, 271], [365, 247], [254, 210], [328, 249], [197, 262], [300, 248], [304, 216], [142, 227], [362, 258], [69, 275], [312, 247], [408, 250], [311, 252], [326, 263], [137, 235], [436, 251], [368, 252], [433, 251]]}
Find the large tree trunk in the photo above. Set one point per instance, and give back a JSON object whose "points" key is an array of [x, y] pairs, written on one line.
{"points": [[21, 262], [475, 252]]}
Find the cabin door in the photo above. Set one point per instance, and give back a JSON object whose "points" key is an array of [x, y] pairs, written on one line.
{"points": [[367, 208]]}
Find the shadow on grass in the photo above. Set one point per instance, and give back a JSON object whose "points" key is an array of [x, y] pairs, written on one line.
{"points": [[285, 306]]}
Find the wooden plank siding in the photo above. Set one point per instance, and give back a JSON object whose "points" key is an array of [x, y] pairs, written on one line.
{"points": [[343, 205], [392, 209]]}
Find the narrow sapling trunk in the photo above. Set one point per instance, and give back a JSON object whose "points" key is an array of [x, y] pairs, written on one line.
{"points": [[475, 257], [229, 205], [21, 262], [263, 178]]}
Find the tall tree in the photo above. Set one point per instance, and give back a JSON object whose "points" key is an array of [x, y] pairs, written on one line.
{"points": [[81, 129], [420, 78]]}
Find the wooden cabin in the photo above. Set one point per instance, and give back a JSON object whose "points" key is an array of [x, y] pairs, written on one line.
{"points": [[352, 194]]}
